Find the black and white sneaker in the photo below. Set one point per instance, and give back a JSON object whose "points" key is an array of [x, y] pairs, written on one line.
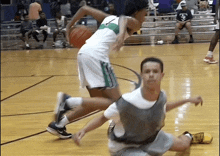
{"points": [[61, 107], [60, 132]]}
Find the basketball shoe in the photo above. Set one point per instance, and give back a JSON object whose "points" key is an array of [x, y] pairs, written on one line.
{"points": [[61, 107], [210, 60], [200, 138], [60, 132]]}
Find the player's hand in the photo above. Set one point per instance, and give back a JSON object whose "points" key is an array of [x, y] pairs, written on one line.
{"points": [[78, 136], [197, 100], [118, 43]]}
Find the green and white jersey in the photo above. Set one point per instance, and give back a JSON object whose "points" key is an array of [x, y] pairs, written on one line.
{"points": [[99, 44]]}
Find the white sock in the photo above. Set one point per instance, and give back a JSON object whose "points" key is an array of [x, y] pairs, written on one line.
{"points": [[188, 135], [209, 54], [62, 122], [74, 102]]}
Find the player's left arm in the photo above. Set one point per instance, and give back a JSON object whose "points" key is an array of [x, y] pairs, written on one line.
{"points": [[171, 105]]}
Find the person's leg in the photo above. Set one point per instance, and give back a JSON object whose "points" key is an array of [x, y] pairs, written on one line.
{"points": [[189, 28], [64, 33], [177, 30], [22, 36], [181, 143], [45, 35], [27, 35], [92, 72], [56, 32], [35, 36], [214, 41], [184, 141], [105, 98], [80, 107], [209, 56]]}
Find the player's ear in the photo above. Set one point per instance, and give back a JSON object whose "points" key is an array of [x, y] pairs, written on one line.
{"points": [[162, 75]]}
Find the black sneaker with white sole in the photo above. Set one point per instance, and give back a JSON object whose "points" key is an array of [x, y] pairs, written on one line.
{"points": [[61, 107], [60, 132]]}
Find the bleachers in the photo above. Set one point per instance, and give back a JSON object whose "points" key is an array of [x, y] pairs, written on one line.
{"points": [[153, 29], [162, 28]]}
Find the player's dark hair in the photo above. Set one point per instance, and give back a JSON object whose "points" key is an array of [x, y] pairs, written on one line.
{"points": [[152, 59], [131, 6]]}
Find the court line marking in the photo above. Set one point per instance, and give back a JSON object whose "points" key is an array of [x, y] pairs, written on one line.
{"points": [[22, 138], [92, 113], [9, 115], [26, 88]]}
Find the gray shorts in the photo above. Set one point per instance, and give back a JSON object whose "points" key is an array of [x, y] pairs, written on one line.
{"points": [[162, 143]]}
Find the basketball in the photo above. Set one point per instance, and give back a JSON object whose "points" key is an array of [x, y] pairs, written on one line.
{"points": [[79, 35]]}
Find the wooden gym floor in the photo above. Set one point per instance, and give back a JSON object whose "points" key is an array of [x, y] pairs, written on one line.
{"points": [[30, 81]]}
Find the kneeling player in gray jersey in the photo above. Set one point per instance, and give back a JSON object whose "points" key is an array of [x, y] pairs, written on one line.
{"points": [[138, 117]]}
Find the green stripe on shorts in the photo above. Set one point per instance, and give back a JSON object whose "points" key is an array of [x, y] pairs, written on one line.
{"points": [[109, 76]]}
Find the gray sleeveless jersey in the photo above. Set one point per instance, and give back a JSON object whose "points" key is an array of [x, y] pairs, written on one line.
{"points": [[141, 125]]}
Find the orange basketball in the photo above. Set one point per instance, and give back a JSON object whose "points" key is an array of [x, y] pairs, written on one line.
{"points": [[79, 35]]}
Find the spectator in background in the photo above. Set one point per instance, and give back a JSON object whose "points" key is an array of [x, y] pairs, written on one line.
{"points": [[65, 9], [179, 5], [192, 5], [21, 11], [42, 27], [184, 17], [26, 30], [203, 5], [61, 23], [34, 10]]}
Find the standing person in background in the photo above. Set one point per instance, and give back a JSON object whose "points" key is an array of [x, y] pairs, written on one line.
{"points": [[209, 57], [183, 18], [42, 27], [21, 11], [26, 31], [61, 23], [65, 9], [34, 10]]}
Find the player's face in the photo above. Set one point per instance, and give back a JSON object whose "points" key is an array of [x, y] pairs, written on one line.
{"points": [[151, 74], [140, 15]]}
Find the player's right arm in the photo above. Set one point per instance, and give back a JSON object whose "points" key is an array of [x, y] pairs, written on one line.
{"points": [[97, 122], [110, 113], [83, 11]]}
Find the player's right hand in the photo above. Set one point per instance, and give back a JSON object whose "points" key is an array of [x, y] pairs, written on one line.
{"points": [[78, 136]]}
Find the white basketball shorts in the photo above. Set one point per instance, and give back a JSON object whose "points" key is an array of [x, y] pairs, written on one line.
{"points": [[95, 73]]}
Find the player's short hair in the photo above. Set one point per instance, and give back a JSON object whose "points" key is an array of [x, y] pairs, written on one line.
{"points": [[152, 59], [131, 6]]}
